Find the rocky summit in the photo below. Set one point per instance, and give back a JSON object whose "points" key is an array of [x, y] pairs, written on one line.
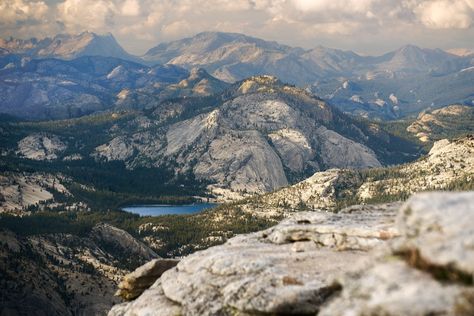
{"points": [[256, 136], [367, 260], [437, 124]]}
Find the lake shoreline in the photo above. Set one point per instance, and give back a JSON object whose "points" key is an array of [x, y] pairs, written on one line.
{"points": [[167, 209]]}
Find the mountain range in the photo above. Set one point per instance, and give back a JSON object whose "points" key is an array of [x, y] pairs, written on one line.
{"points": [[254, 136], [55, 88], [393, 85], [380, 86]]}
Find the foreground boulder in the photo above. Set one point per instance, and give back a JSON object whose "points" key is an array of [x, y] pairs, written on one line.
{"points": [[428, 271], [439, 229], [133, 284], [364, 260], [286, 269]]}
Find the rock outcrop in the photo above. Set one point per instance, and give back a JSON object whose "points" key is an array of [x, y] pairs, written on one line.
{"points": [[255, 137], [361, 261], [41, 147], [18, 191], [448, 165], [135, 283], [428, 271], [437, 124], [287, 268], [121, 241]]}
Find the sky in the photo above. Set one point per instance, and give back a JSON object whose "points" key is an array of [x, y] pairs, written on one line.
{"points": [[365, 26]]}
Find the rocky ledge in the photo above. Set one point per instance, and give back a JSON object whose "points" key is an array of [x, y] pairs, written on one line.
{"points": [[393, 259]]}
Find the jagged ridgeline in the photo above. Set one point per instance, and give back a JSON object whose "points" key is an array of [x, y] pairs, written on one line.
{"points": [[253, 137], [368, 86]]}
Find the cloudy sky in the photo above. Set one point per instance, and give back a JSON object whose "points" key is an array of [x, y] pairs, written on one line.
{"points": [[366, 26]]}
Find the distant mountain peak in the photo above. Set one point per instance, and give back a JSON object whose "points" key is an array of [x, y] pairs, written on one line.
{"points": [[68, 46], [264, 80], [261, 84], [409, 47], [198, 72], [462, 52], [410, 51]]}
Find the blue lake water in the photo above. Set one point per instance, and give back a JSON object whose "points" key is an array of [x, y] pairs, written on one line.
{"points": [[160, 209]]}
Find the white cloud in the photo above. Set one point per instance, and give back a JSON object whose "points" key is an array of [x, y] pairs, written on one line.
{"points": [[352, 6], [93, 15], [356, 24], [13, 11], [130, 8], [446, 14]]}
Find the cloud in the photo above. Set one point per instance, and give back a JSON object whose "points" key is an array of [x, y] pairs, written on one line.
{"points": [[130, 8], [139, 24], [351, 6], [14, 11], [93, 15], [446, 14]]}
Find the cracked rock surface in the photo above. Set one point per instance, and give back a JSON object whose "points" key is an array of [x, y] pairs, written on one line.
{"points": [[428, 271], [364, 260], [286, 269]]}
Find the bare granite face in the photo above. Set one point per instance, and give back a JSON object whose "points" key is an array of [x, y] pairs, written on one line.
{"points": [[251, 141], [448, 162], [365, 260], [41, 146], [18, 191], [394, 288]]}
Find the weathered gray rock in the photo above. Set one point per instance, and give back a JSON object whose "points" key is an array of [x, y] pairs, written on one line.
{"points": [[394, 288], [254, 138], [357, 262], [41, 146], [151, 302], [274, 271], [316, 192], [428, 271], [118, 148], [440, 227], [133, 284], [432, 125], [339, 152], [448, 162], [20, 190], [346, 230]]}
